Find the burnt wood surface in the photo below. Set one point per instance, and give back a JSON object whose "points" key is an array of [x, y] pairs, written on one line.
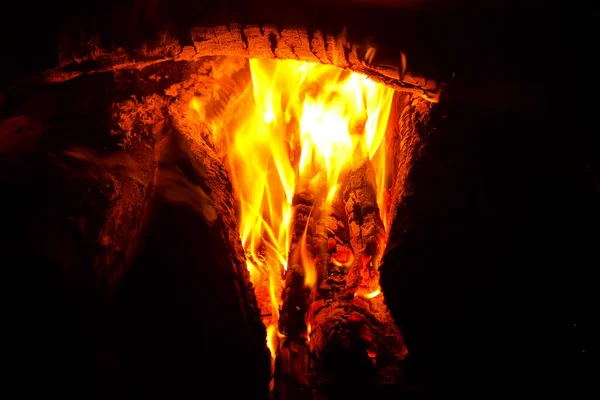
{"points": [[367, 233], [485, 271], [253, 41], [339, 343], [292, 364], [129, 271]]}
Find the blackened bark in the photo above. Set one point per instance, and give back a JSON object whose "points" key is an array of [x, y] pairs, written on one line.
{"points": [[187, 314], [134, 280]]}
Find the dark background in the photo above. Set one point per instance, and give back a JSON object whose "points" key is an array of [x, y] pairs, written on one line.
{"points": [[509, 215]]}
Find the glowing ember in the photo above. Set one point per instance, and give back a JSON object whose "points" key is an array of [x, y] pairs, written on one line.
{"points": [[296, 128]]}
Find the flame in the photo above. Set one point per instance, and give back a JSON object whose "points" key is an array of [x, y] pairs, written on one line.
{"points": [[341, 115], [297, 127], [307, 262], [271, 340], [370, 295]]}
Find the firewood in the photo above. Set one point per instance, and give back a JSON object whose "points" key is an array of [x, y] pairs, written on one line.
{"points": [[367, 233], [291, 370], [131, 219], [252, 41], [352, 340]]}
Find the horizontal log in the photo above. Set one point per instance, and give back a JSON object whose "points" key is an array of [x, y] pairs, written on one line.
{"points": [[254, 41]]}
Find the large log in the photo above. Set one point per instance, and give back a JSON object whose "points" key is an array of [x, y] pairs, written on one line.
{"points": [[478, 217], [128, 219], [190, 282], [355, 345], [253, 41], [414, 125], [461, 270]]}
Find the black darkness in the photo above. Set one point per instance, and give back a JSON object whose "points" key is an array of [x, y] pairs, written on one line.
{"points": [[505, 305]]}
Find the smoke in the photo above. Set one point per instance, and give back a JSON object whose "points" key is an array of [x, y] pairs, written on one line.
{"points": [[122, 161], [175, 188]]}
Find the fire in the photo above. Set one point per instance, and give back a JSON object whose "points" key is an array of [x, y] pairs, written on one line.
{"points": [[310, 270], [272, 340], [370, 295], [297, 127]]}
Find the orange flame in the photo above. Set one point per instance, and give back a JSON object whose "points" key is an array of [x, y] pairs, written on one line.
{"points": [[271, 340], [310, 270], [297, 124], [370, 295]]}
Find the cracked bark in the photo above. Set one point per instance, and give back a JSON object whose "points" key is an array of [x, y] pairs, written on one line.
{"points": [[255, 41]]}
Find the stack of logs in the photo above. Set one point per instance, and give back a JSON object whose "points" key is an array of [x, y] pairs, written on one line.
{"points": [[337, 329]]}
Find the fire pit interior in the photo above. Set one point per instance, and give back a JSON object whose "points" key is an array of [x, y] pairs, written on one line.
{"points": [[289, 209], [300, 161], [287, 158], [305, 148]]}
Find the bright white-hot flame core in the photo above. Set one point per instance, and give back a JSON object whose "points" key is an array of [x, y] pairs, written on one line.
{"points": [[298, 123]]}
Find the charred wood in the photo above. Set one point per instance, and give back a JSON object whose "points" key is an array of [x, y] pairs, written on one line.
{"points": [[367, 233], [117, 181], [252, 41], [353, 340], [407, 145], [291, 373]]}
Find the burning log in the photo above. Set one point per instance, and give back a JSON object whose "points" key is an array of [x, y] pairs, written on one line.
{"points": [[294, 296], [367, 233], [418, 130], [408, 147], [84, 52], [354, 341], [292, 361], [135, 234]]}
